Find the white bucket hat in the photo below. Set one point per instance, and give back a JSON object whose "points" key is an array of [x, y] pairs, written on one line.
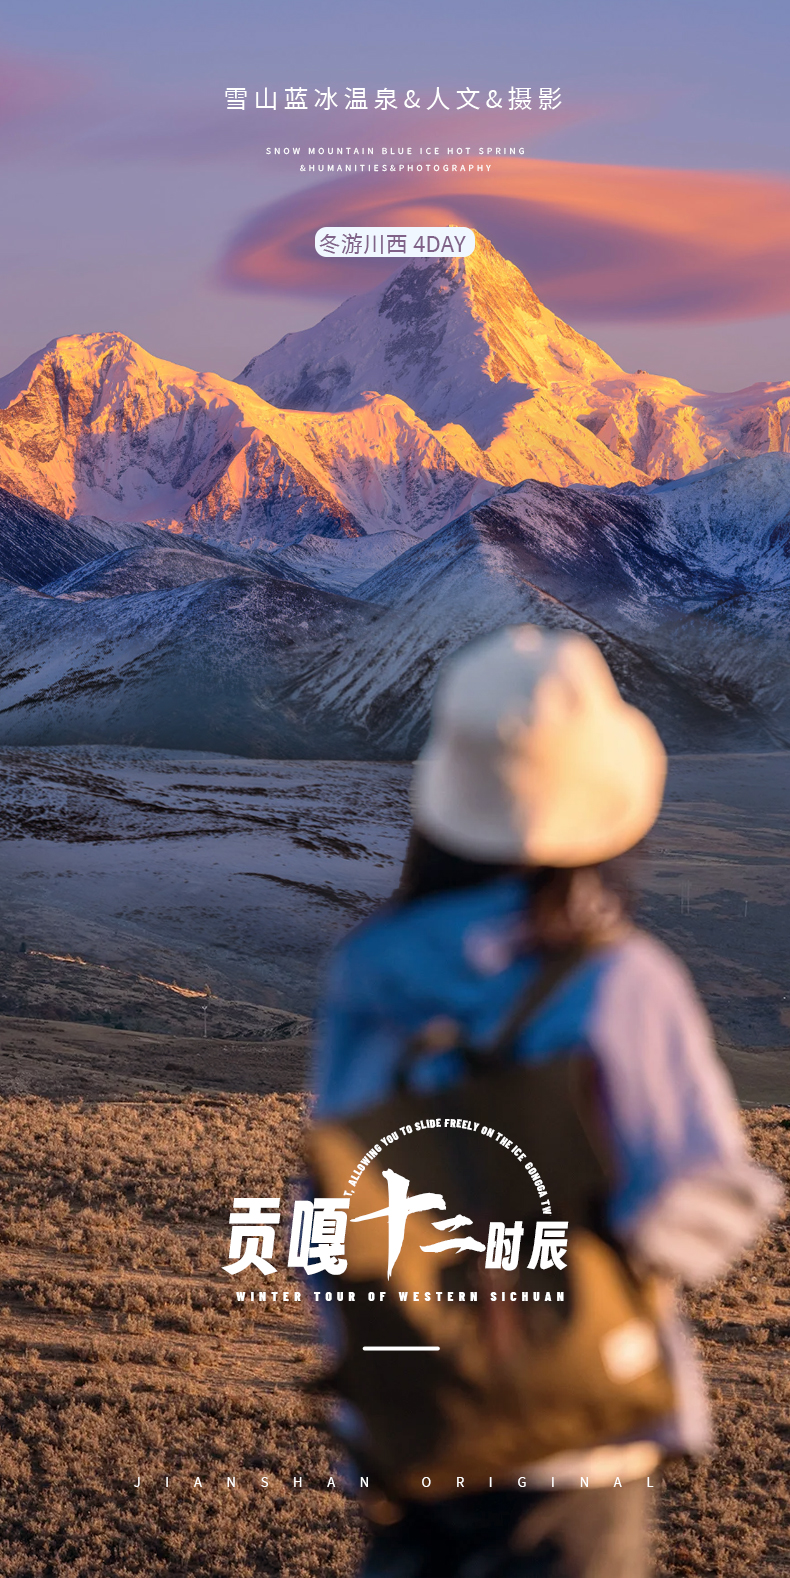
{"points": [[533, 756]]}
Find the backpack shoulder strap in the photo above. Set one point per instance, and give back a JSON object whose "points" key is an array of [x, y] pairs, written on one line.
{"points": [[554, 969], [443, 1034]]}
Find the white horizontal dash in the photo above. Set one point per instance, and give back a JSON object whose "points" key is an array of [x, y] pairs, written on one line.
{"points": [[393, 1348]]}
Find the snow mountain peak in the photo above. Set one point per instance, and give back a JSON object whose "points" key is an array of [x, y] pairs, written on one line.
{"points": [[440, 334], [402, 409], [512, 390]]}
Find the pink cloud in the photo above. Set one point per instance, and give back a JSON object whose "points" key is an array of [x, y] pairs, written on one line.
{"points": [[610, 241], [31, 87], [49, 106]]}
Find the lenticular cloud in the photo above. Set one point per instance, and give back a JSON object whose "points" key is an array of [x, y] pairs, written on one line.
{"points": [[612, 241]]}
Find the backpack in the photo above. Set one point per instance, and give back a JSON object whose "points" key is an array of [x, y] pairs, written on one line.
{"points": [[463, 1369]]}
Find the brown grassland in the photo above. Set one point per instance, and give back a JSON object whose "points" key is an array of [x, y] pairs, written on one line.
{"points": [[124, 1353]]}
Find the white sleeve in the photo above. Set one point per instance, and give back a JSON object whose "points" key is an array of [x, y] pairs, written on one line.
{"points": [[700, 1224], [689, 1199]]}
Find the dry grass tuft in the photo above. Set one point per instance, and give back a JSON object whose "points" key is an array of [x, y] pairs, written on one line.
{"points": [[123, 1352], [731, 1514]]}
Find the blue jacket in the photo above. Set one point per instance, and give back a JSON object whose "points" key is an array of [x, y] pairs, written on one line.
{"points": [[687, 1198]]}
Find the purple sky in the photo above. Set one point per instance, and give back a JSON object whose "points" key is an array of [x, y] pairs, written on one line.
{"points": [[125, 183]]}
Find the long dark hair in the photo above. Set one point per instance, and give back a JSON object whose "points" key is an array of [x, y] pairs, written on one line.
{"points": [[563, 905]]}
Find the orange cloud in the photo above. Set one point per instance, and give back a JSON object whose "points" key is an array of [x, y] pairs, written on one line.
{"points": [[610, 241]]}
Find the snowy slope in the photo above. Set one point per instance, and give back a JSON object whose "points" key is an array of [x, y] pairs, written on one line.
{"points": [[686, 587], [675, 545], [207, 661], [162, 562], [689, 605], [464, 582], [36, 545], [735, 519], [343, 564]]}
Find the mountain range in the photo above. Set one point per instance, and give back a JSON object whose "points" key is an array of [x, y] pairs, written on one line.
{"points": [[685, 588], [96, 427], [510, 390], [275, 565]]}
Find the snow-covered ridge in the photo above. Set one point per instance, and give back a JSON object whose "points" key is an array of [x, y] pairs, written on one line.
{"points": [[685, 587], [101, 428]]}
